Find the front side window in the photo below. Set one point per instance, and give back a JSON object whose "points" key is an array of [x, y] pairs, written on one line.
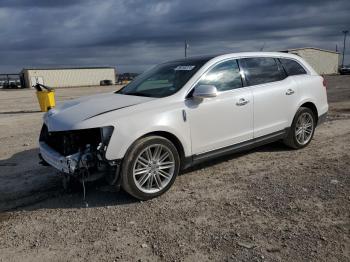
{"points": [[292, 67], [164, 79], [261, 70], [224, 76]]}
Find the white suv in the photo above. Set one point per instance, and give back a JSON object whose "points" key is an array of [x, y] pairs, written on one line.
{"points": [[181, 113]]}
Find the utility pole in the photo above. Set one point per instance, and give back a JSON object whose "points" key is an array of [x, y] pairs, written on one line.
{"points": [[345, 32], [186, 46], [262, 47]]}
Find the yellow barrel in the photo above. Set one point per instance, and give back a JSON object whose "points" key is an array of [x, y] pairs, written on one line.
{"points": [[46, 100]]}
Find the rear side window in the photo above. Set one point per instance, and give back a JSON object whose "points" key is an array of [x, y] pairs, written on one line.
{"points": [[225, 76], [292, 67], [261, 70]]}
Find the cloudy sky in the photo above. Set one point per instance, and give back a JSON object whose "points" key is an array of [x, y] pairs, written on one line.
{"points": [[135, 34]]}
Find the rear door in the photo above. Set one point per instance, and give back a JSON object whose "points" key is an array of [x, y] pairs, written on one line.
{"points": [[275, 94], [223, 120]]}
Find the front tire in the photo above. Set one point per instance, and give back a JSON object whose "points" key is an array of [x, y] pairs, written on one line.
{"points": [[150, 167], [302, 129]]}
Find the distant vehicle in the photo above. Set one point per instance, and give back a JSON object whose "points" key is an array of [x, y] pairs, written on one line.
{"points": [[106, 82], [345, 70], [12, 84], [181, 113], [124, 82], [126, 78]]}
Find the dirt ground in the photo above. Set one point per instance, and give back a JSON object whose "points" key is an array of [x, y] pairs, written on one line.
{"points": [[268, 204]]}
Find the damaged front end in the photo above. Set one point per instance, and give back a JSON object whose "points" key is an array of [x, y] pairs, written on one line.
{"points": [[79, 153]]}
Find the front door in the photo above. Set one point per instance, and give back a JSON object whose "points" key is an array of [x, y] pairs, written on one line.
{"points": [[223, 120]]}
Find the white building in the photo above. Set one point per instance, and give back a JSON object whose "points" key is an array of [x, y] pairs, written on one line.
{"points": [[323, 61], [68, 77]]}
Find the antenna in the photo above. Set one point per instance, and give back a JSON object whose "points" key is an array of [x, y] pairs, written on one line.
{"points": [[186, 47], [262, 48]]}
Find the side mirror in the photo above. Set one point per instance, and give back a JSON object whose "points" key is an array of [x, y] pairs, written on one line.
{"points": [[205, 91]]}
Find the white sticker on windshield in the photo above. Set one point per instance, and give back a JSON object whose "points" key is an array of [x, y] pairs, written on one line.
{"points": [[184, 68]]}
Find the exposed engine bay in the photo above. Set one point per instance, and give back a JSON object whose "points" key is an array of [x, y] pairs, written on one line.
{"points": [[79, 153]]}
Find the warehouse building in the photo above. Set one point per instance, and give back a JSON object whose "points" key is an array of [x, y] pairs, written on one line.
{"points": [[68, 77], [323, 61]]}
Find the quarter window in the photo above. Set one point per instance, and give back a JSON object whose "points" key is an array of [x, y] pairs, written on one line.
{"points": [[224, 76], [261, 70], [292, 67]]}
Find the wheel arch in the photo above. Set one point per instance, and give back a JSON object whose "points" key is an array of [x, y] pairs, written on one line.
{"points": [[312, 107], [172, 138]]}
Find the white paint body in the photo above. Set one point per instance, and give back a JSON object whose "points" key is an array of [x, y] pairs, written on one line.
{"points": [[211, 124]]}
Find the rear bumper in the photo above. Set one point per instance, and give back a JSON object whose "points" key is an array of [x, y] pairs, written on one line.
{"points": [[322, 118], [65, 164]]}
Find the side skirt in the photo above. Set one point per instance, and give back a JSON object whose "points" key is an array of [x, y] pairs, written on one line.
{"points": [[259, 141]]}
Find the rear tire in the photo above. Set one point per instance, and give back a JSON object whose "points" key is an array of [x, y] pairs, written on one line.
{"points": [[302, 129], [150, 167]]}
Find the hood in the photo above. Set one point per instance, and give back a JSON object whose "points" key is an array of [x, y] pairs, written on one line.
{"points": [[68, 114]]}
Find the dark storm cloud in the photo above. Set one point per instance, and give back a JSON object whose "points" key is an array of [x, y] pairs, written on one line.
{"points": [[40, 3], [134, 34]]}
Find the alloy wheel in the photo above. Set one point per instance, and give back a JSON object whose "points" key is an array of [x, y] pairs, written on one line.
{"points": [[304, 128], [154, 168]]}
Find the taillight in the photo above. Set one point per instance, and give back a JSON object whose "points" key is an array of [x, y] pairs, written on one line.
{"points": [[324, 82]]}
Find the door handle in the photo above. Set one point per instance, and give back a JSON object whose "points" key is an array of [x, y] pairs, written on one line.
{"points": [[242, 102], [289, 92]]}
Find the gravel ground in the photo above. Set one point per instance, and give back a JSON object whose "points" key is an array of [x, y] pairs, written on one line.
{"points": [[268, 204]]}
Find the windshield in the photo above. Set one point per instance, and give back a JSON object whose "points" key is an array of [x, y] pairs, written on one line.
{"points": [[164, 79]]}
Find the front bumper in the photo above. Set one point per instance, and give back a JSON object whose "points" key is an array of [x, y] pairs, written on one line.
{"points": [[65, 164]]}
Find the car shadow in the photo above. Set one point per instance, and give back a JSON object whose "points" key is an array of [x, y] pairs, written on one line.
{"points": [[98, 194], [48, 192], [27, 185], [272, 147]]}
